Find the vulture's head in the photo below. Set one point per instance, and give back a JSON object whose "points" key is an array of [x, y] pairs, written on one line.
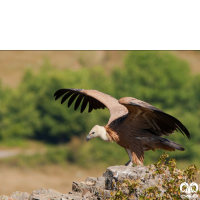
{"points": [[97, 131]]}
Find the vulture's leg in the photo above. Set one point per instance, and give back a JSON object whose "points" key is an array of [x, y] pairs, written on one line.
{"points": [[138, 157], [129, 163]]}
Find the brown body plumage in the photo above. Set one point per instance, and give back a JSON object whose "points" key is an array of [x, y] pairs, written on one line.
{"points": [[135, 125]]}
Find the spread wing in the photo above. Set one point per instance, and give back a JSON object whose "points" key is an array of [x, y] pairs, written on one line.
{"points": [[96, 100], [160, 122]]}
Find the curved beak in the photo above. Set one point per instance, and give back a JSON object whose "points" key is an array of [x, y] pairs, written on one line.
{"points": [[88, 138]]}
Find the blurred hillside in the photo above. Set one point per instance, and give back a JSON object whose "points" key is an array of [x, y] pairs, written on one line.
{"points": [[48, 133], [13, 63]]}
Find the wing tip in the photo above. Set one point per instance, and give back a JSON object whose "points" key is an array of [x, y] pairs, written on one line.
{"points": [[186, 133], [82, 98], [188, 136]]}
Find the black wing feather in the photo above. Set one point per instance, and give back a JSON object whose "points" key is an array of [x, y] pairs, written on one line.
{"points": [[66, 97], [173, 123], [72, 98], [84, 104], [59, 93], [102, 105], [90, 104], [78, 101], [77, 96]]}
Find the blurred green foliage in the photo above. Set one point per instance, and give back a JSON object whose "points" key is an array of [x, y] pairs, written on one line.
{"points": [[30, 111]]}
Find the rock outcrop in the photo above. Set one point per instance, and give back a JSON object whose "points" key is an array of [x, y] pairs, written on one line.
{"points": [[117, 182]]}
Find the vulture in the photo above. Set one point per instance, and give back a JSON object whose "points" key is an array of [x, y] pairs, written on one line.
{"points": [[133, 124]]}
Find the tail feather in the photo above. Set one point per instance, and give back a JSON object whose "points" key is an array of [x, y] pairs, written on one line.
{"points": [[169, 145]]}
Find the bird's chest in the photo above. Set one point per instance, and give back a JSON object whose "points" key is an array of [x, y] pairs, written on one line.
{"points": [[117, 135], [114, 136]]}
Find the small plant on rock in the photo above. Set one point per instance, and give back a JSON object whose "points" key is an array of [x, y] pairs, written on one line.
{"points": [[169, 181]]}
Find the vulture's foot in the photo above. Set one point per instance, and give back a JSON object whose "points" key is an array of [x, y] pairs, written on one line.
{"points": [[129, 163]]}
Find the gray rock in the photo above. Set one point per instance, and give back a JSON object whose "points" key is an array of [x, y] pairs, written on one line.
{"points": [[75, 196], [4, 197], [90, 180], [100, 184], [82, 187], [121, 172], [46, 191], [110, 183], [71, 195], [87, 194], [106, 193], [133, 176], [20, 195], [101, 178], [76, 187], [45, 194]]}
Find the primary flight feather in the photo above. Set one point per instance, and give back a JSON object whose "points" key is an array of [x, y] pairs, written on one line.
{"points": [[133, 124]]}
